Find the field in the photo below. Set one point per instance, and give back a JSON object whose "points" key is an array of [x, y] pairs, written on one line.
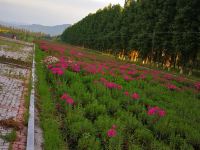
{"points": [[92, 101]]}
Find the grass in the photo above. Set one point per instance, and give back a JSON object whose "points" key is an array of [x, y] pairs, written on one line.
{"points": [[10, 137], [48, 119], [13, 47], [27, 101]]}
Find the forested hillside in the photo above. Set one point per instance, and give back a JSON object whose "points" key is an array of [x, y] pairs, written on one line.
{"points": [[166, 32]]}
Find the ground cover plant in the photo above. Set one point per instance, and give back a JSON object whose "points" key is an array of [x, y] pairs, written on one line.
{"points": [[101, 103]]}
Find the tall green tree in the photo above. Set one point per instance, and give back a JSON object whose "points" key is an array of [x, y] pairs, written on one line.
{"points": [[153, 27]]}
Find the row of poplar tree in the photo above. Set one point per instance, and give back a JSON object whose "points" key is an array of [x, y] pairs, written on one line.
{"points": [[155, 28]]}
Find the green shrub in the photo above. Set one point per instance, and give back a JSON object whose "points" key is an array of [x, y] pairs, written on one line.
{"points": [[157, 145], [103, 123], [144, 136], [115, 93], [134, 147], [175, 142], [88, 142], [75, 115], [78, 128], [100, 90], [105, 99], [163, 129], [193, 137], [70, 77], [112, 106], [136, 109], [115, 143], [77, 89], [185, 146], [86, 98], [130, 122], [92, 111]]}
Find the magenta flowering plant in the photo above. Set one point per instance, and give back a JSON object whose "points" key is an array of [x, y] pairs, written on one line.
{"points": [[132, 72], [67, 98], [112, 132], [127, 78], [152, 111], [110, 85], [168, 76], [75, 68], [57, 71], [47, 46], [172, 87], [135, 96], [141, 77], [64, 96], [126, 93], [94, 80], [197, 86]]}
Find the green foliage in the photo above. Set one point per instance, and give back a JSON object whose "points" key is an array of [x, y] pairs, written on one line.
{"points": [[144, 136], [98, 109], [88, 142], [112, 106], [93, 110], [49, 122], [78, 128], [10, 137], [153, 27]]}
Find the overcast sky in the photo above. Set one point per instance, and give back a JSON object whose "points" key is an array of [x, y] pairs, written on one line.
{"points": [[50, 12]]}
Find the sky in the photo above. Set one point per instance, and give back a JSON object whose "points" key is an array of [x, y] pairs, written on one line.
{"points": [[50, 12]]}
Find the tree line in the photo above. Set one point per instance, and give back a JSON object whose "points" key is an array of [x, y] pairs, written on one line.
{"points": [[163, 31]]}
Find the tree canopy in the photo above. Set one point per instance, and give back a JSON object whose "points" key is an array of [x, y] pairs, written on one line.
{"points": [[155, 28]]}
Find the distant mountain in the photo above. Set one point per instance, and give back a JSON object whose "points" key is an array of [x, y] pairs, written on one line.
{"points": [[51, 30], [11, 24]]}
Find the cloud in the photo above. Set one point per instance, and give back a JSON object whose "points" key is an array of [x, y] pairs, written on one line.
{"points": [[50, 12]]}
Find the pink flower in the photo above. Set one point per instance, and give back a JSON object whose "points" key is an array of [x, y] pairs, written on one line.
{"points": [[151, 111], [127, 78], [197, 85], [110, 85], [57, 71], [161, 113], [50, 66], [135, 96], [60, 72], [126, 93], [64, 65], [76, 68], [114, 126], [132, 72], [112, 133], [70, 101], [171, 87], [168, 76], [156, 111], [64, 96]]}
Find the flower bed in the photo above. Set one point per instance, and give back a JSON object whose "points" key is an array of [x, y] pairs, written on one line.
{"points": [[106, 104]]}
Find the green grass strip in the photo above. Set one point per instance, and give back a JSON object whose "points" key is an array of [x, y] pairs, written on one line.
{"points": [[50, 124]]}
